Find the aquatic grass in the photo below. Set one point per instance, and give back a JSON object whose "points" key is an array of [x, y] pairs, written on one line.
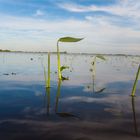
{"points": [[63, 39], [47, 78], [135, 82], [48, 81]]}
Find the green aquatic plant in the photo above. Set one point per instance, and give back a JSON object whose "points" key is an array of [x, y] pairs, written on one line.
{"points": [[48, 81], [93, 70], [135, 82], [47, 78], [94, 63], [63, 39]]}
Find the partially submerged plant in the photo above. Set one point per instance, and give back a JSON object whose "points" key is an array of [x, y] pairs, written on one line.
{"points": [[93, 70], [48, 82], [63, 39], [135, 82], [94, 62], [47, 79]]}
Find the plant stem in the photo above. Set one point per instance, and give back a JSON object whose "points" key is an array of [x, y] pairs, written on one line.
{"points": [[48, 81], [135, 83], [58, 61], [94, 67]]}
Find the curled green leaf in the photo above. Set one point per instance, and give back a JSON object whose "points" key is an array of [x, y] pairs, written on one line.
{"points": [[69, 39], [101, 57], [64, 67]]}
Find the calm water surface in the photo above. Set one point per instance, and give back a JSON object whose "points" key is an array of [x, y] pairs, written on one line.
{"points": [[81, 108]]}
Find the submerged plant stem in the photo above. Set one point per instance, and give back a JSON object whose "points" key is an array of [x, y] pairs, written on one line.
{"points": [[134, 116], [94, 67], [48, 100], [135, 83]]}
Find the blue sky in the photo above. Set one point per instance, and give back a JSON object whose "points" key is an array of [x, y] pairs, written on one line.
{"points": [[108, 26]]}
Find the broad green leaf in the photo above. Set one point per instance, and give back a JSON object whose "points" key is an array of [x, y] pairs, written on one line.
{"points": [[101, 57], [63, 67], [69, 39]]}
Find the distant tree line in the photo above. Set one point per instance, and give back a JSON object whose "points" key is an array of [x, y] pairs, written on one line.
{"points": [[4, 50]]}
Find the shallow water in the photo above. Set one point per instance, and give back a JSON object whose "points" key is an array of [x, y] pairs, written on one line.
{"points": [[83, 107]]}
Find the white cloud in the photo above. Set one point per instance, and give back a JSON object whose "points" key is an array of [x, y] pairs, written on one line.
{"points": [[130, 8], [100, 35], [39, 13]]}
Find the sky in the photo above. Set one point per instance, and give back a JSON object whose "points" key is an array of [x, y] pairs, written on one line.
{"points": [[107, 26]]}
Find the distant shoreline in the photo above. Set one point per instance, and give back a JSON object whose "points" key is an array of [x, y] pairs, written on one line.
{"points": [[9, 51]]}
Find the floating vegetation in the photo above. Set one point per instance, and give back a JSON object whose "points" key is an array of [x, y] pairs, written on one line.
{"points": [[64, 39], [135, 82], [5, 73], [12, 73]]}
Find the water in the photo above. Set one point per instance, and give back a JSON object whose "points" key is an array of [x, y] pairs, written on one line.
{"points": [[83, 107]]}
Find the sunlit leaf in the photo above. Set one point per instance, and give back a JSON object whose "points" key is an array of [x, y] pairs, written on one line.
{"points": [[64, 67], [101, 57], [69, 39]]}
